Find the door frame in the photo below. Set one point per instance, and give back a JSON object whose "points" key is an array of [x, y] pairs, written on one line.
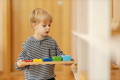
{"points": [[7, 36]]}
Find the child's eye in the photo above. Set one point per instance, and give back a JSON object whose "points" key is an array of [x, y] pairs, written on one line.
{"points": [[44, 25], [49, 25]]}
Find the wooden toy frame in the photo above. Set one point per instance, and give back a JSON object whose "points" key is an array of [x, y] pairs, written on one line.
{"points": [[53, 62]]}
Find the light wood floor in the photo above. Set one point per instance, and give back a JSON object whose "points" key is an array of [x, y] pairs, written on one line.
{"points": [[62, 73], [20, 77], [115, 75]]}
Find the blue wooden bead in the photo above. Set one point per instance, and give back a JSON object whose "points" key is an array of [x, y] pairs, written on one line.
{"points": [[66, 58], [47, 59]]}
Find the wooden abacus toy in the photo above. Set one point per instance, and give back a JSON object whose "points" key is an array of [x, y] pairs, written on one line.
{"points": [[65, 59]]}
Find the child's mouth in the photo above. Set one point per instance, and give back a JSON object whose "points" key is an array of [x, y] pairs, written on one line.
{"points": [[47, 32]]}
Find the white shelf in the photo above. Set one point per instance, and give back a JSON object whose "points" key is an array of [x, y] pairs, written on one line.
{"points": [[81, 36], [89, 39]]}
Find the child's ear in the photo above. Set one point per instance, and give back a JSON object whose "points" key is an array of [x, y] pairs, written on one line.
{"points": [[33, 24]]}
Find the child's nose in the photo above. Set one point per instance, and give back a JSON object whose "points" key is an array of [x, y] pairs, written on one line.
{"points": [[48, 27]]}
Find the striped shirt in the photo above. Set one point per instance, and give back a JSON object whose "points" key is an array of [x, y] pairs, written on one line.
{"points": [[32, 49]]}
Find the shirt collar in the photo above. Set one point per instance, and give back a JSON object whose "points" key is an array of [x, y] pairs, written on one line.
{"points": [[33, 39]]}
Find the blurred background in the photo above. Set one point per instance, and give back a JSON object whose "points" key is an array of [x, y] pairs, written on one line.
{"points": [[89, 30]]}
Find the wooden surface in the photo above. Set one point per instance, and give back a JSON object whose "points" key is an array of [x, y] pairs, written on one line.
{"points": [[21, 28], [6, 37], [114, 66], [116, 15], [53, 62], [17, 28]]}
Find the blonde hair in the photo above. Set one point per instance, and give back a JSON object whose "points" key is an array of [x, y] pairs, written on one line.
{"points": [[39, 14]]}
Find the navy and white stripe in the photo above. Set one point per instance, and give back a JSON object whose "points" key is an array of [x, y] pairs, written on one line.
{"points": [[32, 49]]}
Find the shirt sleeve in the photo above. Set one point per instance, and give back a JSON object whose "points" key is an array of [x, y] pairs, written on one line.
{"points": [[23, 56], [59, 52]]}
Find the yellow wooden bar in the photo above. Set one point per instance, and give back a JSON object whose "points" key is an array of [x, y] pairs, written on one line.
{"points": [[53, 62]]}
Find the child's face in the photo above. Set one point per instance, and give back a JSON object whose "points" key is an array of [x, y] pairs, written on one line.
{"points": [[42, 28]]}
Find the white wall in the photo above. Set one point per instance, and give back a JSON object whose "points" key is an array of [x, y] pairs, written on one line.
{"points": [[1, 34], [99, 26], [79, 27], [91, 37]]}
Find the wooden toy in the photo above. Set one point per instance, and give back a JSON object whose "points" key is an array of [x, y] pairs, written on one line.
{"points": [[28, 60], [66, 58], [37, 60], [47, 59], [57, 58], [52, 62]]}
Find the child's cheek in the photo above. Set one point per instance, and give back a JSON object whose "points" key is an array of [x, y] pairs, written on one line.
{"points": [[39, 29]]}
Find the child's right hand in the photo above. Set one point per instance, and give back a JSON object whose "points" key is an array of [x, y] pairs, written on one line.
{"points": [[21, 63]]}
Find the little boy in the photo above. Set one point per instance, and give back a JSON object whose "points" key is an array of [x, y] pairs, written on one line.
{"points": [[39, 45]]}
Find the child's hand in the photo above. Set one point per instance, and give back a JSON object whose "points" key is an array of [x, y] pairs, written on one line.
{"points": [[21, 63], [74, 67]]}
